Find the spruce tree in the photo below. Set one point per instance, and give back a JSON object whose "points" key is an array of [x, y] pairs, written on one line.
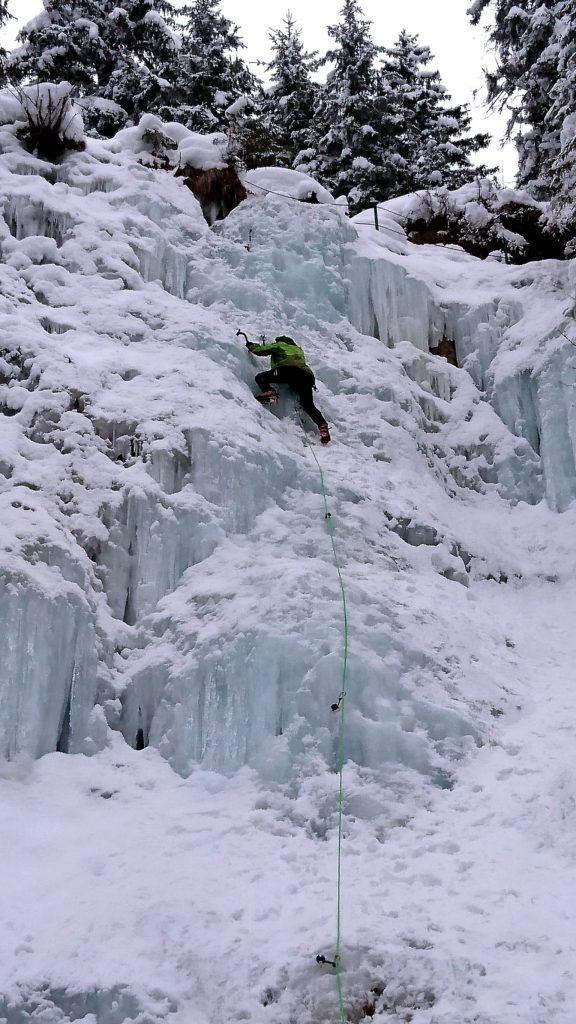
{"points": [[116, 57], [4, 15], [63, 43], [524, 35], [432, 135], [352, 151], [561, 124], [287, 109], [209, 74], [141, 56]]}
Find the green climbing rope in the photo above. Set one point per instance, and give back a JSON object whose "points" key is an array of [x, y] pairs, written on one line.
{"points": [[341, 707]]}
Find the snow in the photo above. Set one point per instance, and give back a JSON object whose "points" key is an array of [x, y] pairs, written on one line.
{"points": [[517, 12], [44, 104], [361, 163], [285, 182], [417, 204], [90, 26], [477, 215], [203, 152], [239, 106], [10, 107], [167, 582], [519, 196]]}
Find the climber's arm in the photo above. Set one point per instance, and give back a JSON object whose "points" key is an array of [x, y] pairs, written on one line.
{"points": [[260, 350]]}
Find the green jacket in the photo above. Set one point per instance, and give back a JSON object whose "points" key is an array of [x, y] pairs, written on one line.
{"points": [[282, 354]]}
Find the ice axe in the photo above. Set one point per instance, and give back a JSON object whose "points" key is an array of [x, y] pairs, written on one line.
{"points": [[244, 335]]}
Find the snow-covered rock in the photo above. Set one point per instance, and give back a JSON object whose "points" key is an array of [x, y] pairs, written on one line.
{"points": [[191, 149], [479, 217], [284, 182]]}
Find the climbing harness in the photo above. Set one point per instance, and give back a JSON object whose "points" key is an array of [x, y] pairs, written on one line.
{"points": [[338, 706]]}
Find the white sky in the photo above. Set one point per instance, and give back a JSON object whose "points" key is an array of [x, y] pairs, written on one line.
{"points": [[459, 49]]}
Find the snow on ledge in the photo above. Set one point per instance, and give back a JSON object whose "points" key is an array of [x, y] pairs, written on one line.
{"points": [[203, 152], [283, 181]]}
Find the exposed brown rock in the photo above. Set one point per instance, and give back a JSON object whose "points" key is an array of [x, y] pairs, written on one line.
{"points": [[218, 189], [446, 349]]}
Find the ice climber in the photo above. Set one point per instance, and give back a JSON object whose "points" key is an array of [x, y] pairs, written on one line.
{"points": [[288, 366]]}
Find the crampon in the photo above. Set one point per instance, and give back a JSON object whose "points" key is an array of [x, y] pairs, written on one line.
{"points": [[267, 398]]}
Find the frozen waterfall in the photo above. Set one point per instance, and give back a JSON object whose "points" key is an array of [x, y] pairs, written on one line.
{"points": [[169, 605], [123, 384]]}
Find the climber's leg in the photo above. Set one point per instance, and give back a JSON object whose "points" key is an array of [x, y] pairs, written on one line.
{"points": [[304, 391], [264, 382]]}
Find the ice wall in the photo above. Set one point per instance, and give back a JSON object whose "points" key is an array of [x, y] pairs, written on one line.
{"points": [[48, 673], [207, 616], [511, 334], [256, 672], [519, 353], [389, 303]]}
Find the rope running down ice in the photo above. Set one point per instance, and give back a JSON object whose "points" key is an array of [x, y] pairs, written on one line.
{"points": [[340, 706]]}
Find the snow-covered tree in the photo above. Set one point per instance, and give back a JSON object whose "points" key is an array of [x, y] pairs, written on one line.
{"points": [[210, 76], [287, 109], [62, 43], [561, 123], [144, 55], [116, 57], [432, 136], [4, 15], [524, 33], [352, 151]]}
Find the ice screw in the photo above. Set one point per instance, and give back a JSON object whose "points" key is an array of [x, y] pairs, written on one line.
{"points": [[336, 707], [322, 960]]}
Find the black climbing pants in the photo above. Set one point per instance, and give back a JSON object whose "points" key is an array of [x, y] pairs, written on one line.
{"points": [[298, 381]]}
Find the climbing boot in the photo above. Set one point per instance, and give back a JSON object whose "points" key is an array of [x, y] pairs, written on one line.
{"points": [[268, 397], [324, 434]]}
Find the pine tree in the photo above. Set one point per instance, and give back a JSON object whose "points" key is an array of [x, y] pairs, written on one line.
{"points": [[4, 15], [524, 35], [352, 151], [116, 57], [63, 43], [141, 51], [210, 76], [287, 109], [432, 135], [561, 124]]}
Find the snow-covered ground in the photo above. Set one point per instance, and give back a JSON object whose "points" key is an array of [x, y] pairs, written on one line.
{"points": [[167, 584]]}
